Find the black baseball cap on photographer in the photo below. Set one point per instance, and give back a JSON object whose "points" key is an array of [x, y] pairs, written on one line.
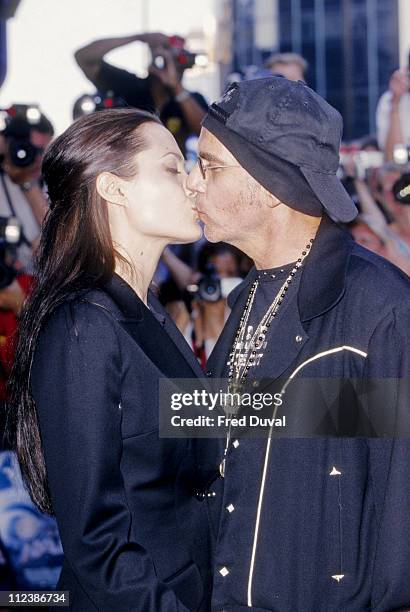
{"points": [[288, 138]]}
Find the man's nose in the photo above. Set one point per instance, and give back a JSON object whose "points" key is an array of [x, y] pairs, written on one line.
{"points": [[195, 183]]}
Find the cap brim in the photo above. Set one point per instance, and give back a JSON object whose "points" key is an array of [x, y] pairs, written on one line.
{"points": [[332, 194]]}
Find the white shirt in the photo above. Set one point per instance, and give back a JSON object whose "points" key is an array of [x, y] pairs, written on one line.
{"points": [[25, 215], [383, 118]]}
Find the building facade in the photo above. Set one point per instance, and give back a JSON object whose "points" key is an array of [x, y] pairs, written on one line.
{"points": [[352, 47]]}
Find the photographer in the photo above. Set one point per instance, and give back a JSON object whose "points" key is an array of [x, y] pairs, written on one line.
{"points": [[196, 300], [162, 91], [23, 205], [383, 224], [25, 137], [393, 114]]}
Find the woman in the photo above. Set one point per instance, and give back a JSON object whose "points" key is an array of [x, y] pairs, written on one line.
{"points": [[85, 383]]}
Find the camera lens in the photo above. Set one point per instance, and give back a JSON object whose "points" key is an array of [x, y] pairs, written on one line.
{"points": [[209, 290], [400, 154], [159, 62], [22, 152]]}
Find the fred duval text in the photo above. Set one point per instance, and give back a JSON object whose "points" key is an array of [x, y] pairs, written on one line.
{"points": [[225, 421]]}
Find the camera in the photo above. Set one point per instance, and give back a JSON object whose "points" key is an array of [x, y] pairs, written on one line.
{"points": [[211, 287], [363, 162], [366, 160], [16, 123], [91, 103], [22, 153], [401, 188], [10, 234], [182, 57]]}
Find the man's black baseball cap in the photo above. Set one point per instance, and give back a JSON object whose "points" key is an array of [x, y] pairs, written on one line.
{"points": [[274, 124]]}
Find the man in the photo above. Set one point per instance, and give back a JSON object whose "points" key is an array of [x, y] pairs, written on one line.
{"points": [[22, 197], [290, 65], [21, 192], [307, 522], [162, 91]]}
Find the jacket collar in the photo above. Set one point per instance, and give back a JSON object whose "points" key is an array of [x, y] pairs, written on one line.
{"points": [[323, 278], [165, 350], [129, 303]]}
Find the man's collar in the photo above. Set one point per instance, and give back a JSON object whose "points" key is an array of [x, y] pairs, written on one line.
{"points": [[323, 279], [322, 283]]}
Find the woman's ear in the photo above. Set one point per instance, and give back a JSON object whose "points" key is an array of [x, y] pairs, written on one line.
{"points": [[109, 188]]}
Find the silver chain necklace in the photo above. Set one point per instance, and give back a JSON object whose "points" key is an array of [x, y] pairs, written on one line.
{"points": [[239, 365]]}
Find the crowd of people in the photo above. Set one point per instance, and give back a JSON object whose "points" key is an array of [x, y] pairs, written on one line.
{"points": [[193, 281]]}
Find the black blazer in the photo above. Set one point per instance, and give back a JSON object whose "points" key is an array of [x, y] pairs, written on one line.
{"points": [[134, 535]]}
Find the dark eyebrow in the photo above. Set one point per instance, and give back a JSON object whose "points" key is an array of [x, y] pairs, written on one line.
{"points": [[179, 157], [211, 158]]}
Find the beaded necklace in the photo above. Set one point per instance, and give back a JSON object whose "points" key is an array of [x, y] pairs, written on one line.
{"points": [[239, 364]]}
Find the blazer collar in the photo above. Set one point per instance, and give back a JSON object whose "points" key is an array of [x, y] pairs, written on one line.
{"points": [[143, 326], [323, 278], [129, 303]]}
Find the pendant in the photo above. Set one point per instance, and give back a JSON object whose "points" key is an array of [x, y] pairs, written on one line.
{"points": [[259, 341], [234, 387], [222, 468], [232, 404]]}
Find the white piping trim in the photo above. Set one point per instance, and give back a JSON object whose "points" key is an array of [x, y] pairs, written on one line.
{"points": [[328, 352], [337, 349], [258, 514], [323, 354]]}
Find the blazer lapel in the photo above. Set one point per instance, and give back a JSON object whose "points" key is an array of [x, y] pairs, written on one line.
{"points": [[158, 346], [148, 333], [177, 337]]}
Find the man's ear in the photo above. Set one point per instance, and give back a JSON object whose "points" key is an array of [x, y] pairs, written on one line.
{"points": [[109, 188]]}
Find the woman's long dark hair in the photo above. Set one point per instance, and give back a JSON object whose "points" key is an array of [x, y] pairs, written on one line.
{"points": [[76, 252]]}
